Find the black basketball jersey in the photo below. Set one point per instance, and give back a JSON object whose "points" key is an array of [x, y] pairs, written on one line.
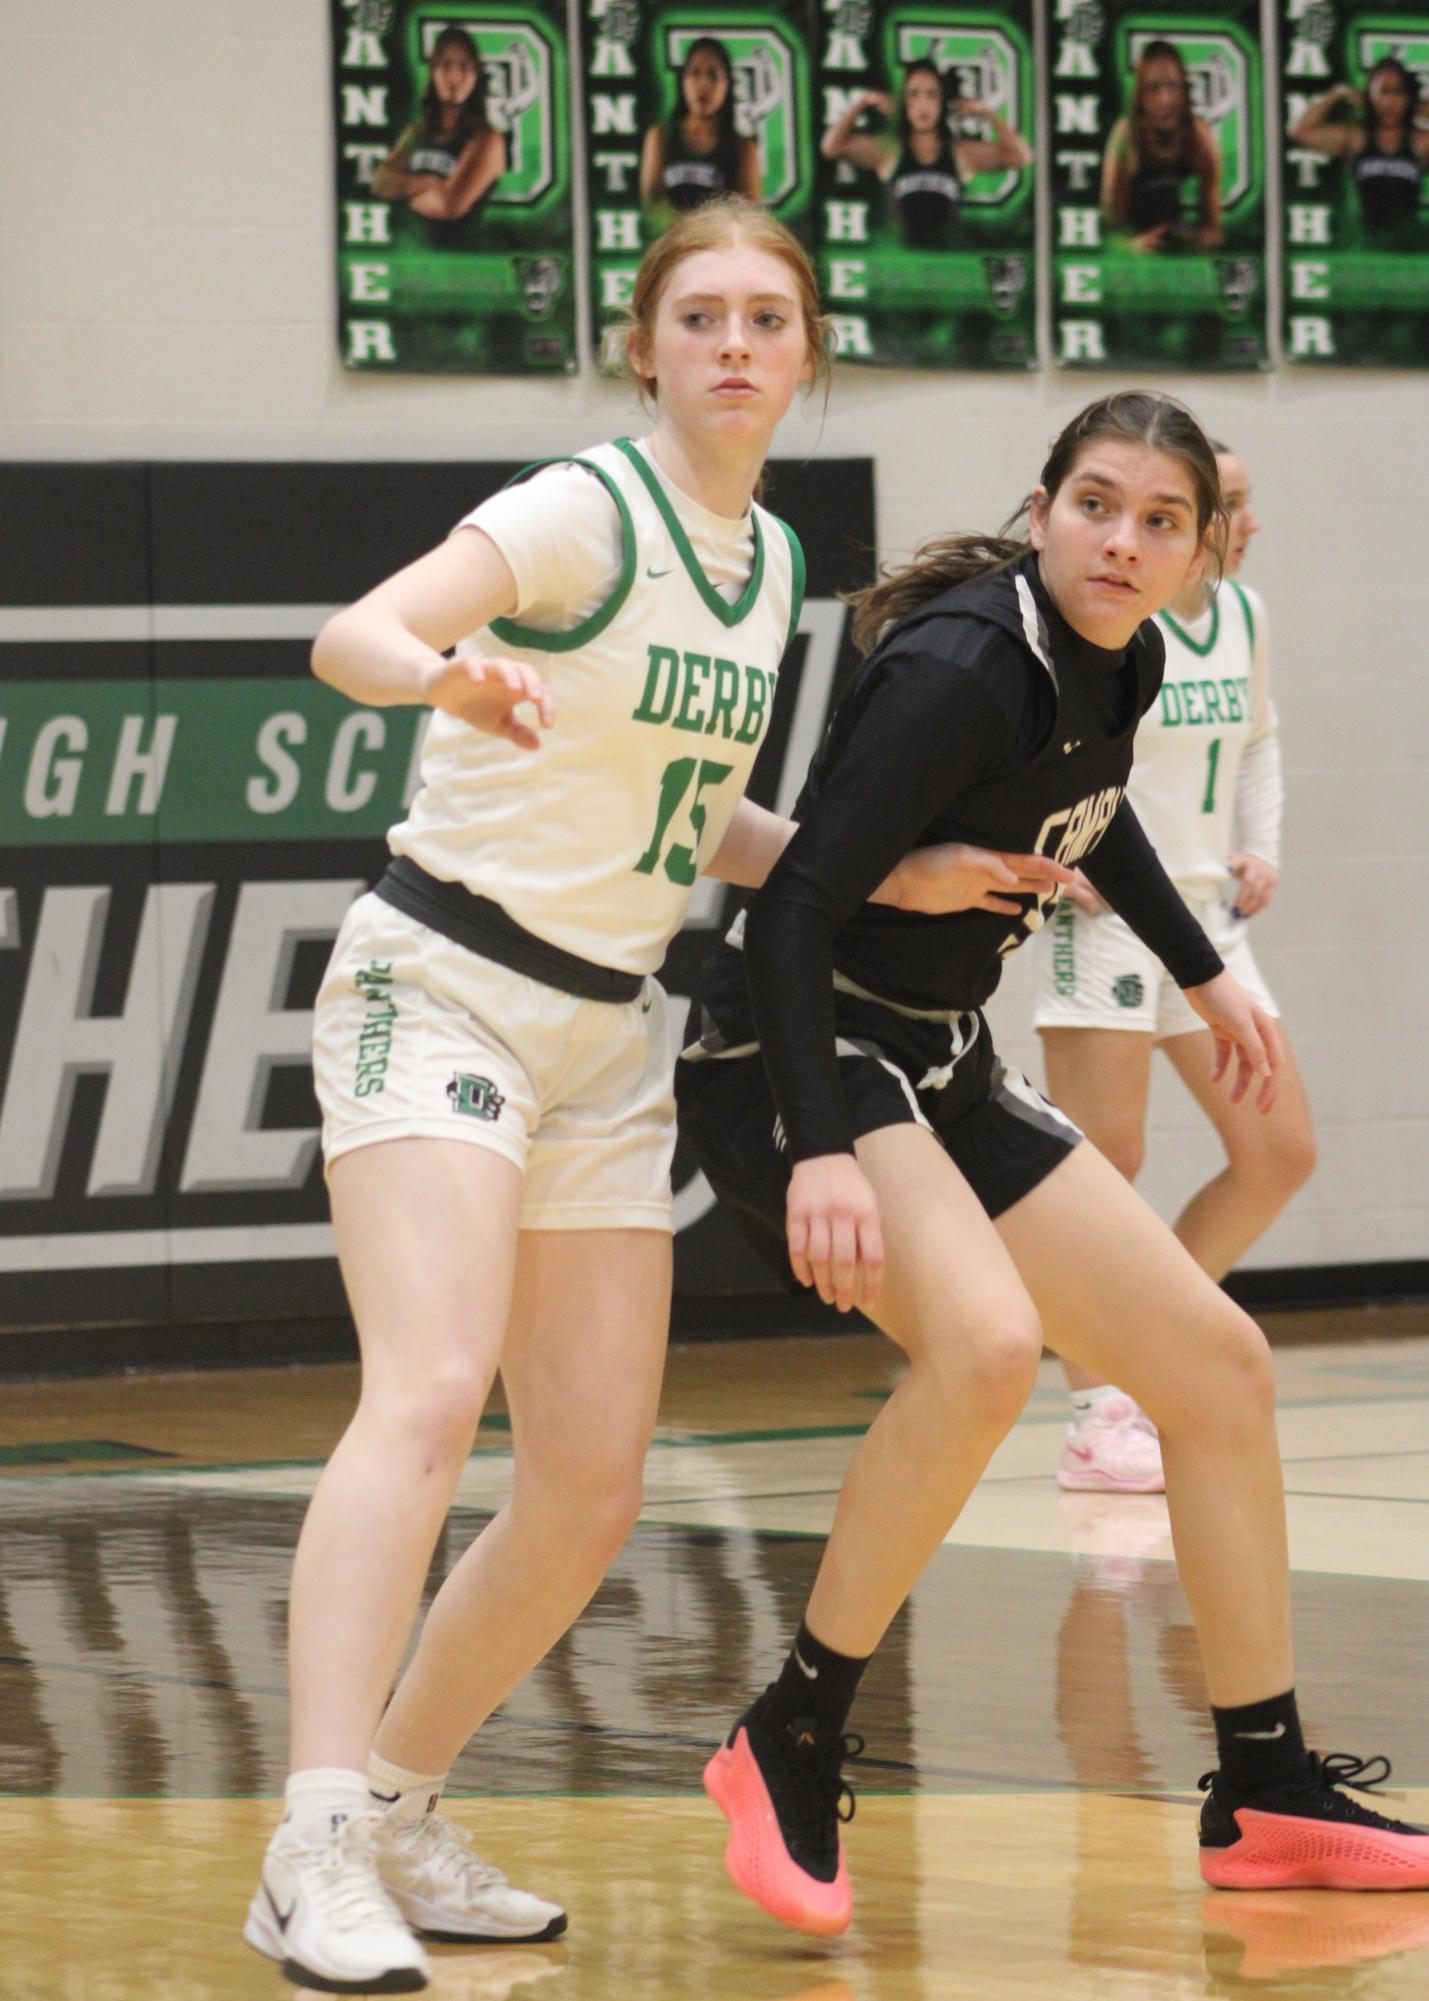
{"points": [[1388, 185], [439, 156], [1154, 197], [691, 179], [981, 718], [927, 198]]}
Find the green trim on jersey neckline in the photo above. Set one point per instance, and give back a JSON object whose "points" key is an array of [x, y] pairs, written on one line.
{"points": [[515, 634], [1245, 607], [797, 581], [1211, 637], [727, 614]]}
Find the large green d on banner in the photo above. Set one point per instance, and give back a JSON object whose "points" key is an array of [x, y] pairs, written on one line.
{"points": [[1158, 177], [685, 103], [926, 183], [455, 248], [1354, 104]]}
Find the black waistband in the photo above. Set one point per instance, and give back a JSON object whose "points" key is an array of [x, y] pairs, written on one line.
{"points": [[484, 927]]}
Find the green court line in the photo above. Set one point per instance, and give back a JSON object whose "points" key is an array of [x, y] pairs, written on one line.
{"points": [[675, 1441], [64, 1451]]}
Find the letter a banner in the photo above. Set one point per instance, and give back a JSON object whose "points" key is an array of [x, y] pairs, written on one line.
{"points": [[1354, 104], [685, 103], [455, 242], [926, 183], [1158, 184]]}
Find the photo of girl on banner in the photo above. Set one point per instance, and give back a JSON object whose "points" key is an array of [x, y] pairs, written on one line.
{"points": [[1157, 154], [1158, 185], [684, 103], [447, 161], [698, 152], [1356, 125], [455, 246], [929, 156]]}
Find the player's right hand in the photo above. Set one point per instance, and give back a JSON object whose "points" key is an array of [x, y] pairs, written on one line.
{"points": [[486, 694], [835, 1237]]}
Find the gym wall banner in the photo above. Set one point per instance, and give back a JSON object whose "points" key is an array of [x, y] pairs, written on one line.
{"points": [[1158, 184], [185, 816], [684, 103], [454, 230], [926, 184], [1354, 120]]}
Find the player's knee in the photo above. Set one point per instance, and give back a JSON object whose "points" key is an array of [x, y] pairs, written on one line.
{"points": [[1293, 1158], [1245, 1398], [999, 1367], [1125, 1148], [439, 1413], [598, 1497]]}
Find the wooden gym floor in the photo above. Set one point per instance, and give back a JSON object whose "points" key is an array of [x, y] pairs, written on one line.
{"points": [[1035, 1721]]}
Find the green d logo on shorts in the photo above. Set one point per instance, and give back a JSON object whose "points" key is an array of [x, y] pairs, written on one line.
{"points": [[478, 1097], [1128, 991]]}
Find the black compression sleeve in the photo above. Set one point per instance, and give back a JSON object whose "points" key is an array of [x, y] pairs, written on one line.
{"points": [[1125, 869]]}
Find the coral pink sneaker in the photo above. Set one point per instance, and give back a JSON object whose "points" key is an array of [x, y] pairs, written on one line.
{"points": [[1309, 1835], [783, 1794], [1115, 1448]]}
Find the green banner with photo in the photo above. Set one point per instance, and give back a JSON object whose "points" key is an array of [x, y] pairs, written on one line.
{"points": [[1158, 184], [684, 103], [926, 183], [1354, 120], [453, 165]]}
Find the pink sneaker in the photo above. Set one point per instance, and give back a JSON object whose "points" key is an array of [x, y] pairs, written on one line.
{"points": [[784, 1795], [1114, 1447]]}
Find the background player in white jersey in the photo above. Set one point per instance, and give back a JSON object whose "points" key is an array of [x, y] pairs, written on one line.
{"points": [[1207, 788], [494, 1066]]}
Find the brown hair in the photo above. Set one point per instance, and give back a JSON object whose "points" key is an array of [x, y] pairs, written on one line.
{"points": [[1184, 136], [713, 226], [1133, 416]]}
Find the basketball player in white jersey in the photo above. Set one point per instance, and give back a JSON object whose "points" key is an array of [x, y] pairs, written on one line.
{"points": [[1206, 786], [494, 1067]]}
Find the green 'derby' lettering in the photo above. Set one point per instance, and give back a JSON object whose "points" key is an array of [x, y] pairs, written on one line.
{"points": [[708, 697], [1214, 703]]}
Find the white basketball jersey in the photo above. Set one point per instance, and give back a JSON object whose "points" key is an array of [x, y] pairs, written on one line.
{"points": [[1214, 701], [663, 696]]}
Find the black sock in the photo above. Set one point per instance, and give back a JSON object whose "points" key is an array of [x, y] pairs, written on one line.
{"points": [[1260, 1743], [816, 1683]]}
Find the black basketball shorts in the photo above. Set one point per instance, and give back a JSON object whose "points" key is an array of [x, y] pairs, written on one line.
{"points": [[999, 1132]]}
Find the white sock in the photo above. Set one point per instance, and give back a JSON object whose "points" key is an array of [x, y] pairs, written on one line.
{"points": [[404, 1794], [321, 1800], [1085, 1402]]}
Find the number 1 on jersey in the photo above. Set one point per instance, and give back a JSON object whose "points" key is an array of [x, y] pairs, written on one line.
{"points": [[680, 865], [1213, 758]]}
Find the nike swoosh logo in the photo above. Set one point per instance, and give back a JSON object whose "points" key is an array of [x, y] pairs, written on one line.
{"points": [[658, 573], [1263, 1736], [1079, 1451], [387, 1799], [283, 1917], [804, 1668]]}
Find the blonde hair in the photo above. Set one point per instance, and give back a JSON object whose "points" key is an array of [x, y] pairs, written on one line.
{"points": [[715, 225]]}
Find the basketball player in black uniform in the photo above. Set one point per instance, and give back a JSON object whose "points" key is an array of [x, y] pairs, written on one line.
{"points": [[445, 164], [1387, 154], [913, 1173], [1155, 154], [698, 153]]}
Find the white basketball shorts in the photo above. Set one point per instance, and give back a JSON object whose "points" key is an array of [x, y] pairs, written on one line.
{"points": [[415, 1036], [1094, 972]]}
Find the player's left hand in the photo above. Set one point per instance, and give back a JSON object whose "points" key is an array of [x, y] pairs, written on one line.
{"points": [[1256, 881], [1244, 1034], [956, 876]]}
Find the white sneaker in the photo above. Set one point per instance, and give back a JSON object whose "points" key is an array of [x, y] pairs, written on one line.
{"points": [[445, 1891], [1114, 1447], [323, 1914]]}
